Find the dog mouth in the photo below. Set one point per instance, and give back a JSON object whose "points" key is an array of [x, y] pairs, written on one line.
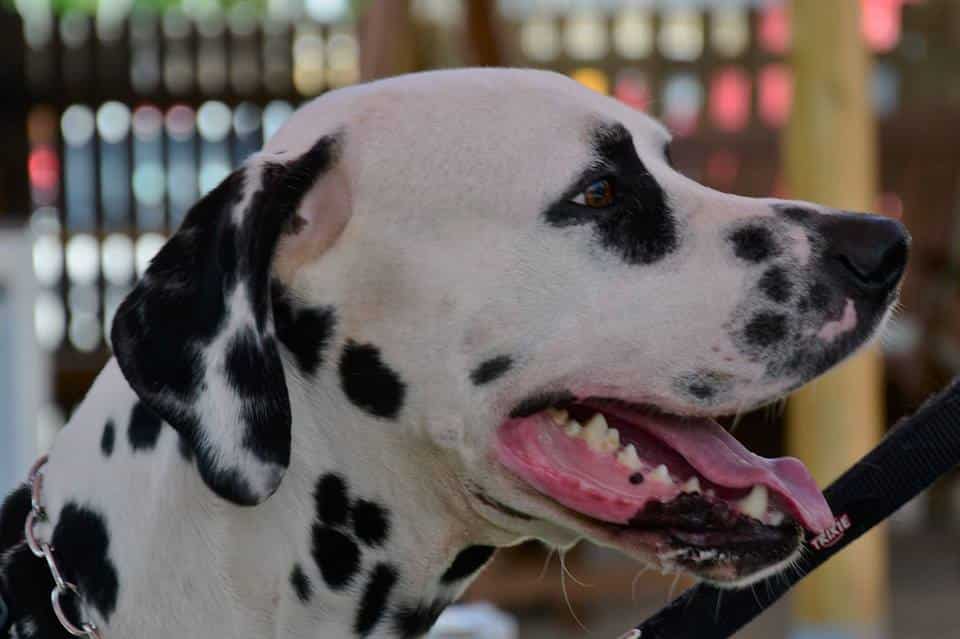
{"points": [[679, 489]]}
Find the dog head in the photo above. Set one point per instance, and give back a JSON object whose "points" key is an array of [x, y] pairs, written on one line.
{"points": [[501, 269]]}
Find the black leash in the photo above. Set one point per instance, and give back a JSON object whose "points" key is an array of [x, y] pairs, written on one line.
{"points": [[918, 450]]}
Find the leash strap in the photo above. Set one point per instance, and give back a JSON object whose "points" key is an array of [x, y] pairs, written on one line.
{"points": [[912, 456]]}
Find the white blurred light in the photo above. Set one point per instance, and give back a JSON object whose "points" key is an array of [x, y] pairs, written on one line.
{"points": [[112, 300], [82, 259], [74, 29], [147, 246], [327, 10], [84, 332], [246, 119], [113, 121], [84, 298], [117, 257], [77, 125], [148, 184], [342, 59], [274, 115], [681, 35], [213, 121], [48, 259], [211, 174], [633, 33], [45, 220], [49, 320], [731, 31], [539, 39], [585, 37]]}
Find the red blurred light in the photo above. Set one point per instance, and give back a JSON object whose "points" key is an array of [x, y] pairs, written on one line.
{"points": [[880, 22], [43, 167], [730, 99], [633, 92], [774, 33], [776, 94]]}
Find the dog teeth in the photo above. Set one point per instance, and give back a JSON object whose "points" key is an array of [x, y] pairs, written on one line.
{"points": [[755, 504], [573, 428], [661, 474], [558, 415], [628, 457], [692, 485], [775, 518], [611, 441], [595, 433]]}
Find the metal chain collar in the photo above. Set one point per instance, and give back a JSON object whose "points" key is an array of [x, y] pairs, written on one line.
{"points": [[44, 550]]}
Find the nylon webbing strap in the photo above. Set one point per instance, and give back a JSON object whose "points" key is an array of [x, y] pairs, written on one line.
{"points": [[912, 456]]}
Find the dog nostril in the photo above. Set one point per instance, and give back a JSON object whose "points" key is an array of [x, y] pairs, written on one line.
{"points": [[870, 250]]}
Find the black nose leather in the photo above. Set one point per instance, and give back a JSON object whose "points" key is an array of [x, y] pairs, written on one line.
{"points": [[869, 250]]}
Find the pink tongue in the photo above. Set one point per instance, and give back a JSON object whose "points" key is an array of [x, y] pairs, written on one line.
{"points": [[719, 457]]}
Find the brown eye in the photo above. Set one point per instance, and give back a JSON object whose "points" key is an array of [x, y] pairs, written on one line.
{"points": [[597, 195]]}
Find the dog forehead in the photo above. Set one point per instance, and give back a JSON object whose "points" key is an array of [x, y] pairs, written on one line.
{"points": [[467, 116]]}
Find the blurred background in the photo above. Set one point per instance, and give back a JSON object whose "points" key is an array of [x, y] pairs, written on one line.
{"points": [[116, 115]]}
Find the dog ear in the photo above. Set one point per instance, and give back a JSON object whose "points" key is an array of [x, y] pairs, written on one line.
{"points": [[196, 338]]}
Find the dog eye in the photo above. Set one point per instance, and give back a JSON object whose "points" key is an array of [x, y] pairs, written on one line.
{"points": [[598, 194]]}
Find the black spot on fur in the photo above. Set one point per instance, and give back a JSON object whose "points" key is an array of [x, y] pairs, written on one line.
{"points": [[184, 447], [467, 562], [776, 285], [704, 385], [416, 621], [753, 243], [376, 597], [368, 382], [83, 544], [766, 329], [639, 226], [491, 369], [819, 296], [337, 556], [13, 514], [25, 585], [304, 331], [301, 584], [144, 429], [701, 390], [107, 438], [243, 360], [541, 401], [370, 522], [331, 500]]}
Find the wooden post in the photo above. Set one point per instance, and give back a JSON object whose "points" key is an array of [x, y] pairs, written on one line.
{"points": [[386, 34], [830, 158]]}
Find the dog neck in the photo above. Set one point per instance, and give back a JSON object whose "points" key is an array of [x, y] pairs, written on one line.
{"points": [[369, 534]]}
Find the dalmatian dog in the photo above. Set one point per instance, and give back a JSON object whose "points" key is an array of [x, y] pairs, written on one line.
{"points": [[436, 315]]}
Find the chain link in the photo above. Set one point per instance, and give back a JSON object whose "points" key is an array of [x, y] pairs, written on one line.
{"points": [[62, 587]]}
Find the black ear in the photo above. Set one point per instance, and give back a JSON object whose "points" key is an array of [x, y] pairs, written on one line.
{"points": [[195, 338]]}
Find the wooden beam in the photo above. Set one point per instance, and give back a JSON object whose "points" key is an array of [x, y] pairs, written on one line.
{"points": [[386, 36], [830, 157]]}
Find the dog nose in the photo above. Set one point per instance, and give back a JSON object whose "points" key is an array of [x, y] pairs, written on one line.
{"points": [[868, 250]]}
